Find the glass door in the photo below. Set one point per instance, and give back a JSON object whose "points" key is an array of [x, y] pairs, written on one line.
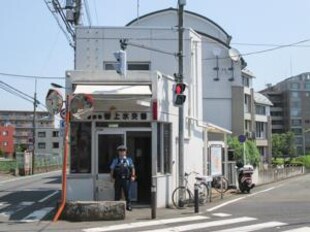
{"points": [[107, 143]]}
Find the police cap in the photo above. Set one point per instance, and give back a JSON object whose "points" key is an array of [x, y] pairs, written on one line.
{"points": [[121, 147]]}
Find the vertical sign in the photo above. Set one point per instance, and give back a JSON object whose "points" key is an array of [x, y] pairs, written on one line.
{"points": [[216, 160]]}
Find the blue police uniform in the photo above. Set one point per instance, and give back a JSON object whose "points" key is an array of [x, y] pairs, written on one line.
{"points": [[122, 168]]}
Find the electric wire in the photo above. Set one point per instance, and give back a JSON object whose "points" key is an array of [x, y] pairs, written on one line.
{"points": [[14, 89], [58, 22], [95, 9], [31, 76], [87, 12]]}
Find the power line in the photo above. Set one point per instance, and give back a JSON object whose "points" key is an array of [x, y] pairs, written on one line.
{"points": [[31, 76], [20, 92], [95, 8], [87, 12]]}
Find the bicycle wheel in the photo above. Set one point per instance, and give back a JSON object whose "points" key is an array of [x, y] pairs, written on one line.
{"points": [[203, 193], [181, 197], [220, 184]]}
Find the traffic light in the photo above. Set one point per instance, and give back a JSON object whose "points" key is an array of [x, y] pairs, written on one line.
{"points": [[121, 62], [179, 97]]}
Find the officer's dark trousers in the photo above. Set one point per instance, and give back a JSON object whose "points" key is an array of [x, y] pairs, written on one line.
{"points": [[119, 185]]}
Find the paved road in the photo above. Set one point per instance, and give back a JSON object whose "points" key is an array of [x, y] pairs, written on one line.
{"points": [[282, 207], [28, 199]]}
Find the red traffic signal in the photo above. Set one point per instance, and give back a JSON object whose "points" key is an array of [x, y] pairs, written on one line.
{"points": [[179, 97]]}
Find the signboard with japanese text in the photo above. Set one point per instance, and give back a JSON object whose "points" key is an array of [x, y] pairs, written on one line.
{"points": [[120, 116]]}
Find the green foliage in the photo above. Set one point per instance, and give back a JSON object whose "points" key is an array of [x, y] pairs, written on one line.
{"points": [[21, 148], [7, 165], [305, 160], [1, 153], [283, 144], [251, 151]]}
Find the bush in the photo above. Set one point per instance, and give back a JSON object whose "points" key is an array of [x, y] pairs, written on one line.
{"points": [[277, 161]]}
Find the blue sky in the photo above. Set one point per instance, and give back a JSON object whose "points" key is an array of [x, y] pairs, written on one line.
{"points": [[32, 43]]}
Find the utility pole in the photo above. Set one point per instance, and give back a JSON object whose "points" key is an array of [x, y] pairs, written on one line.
{"points": [[34, 126], [181, 4]]}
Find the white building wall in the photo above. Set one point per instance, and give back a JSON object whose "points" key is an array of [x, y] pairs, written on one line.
{"points": [[48, 140]]}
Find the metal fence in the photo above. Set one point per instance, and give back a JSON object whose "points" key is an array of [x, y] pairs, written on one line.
{"points": [[230, 172]]}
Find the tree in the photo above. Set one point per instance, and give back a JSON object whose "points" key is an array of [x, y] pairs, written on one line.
{"points": [[283, 144], [251, 152], [277, 145]]}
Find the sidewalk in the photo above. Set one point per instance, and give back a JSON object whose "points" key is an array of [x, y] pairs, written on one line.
{"points": [[144, 212], [4, 176]]}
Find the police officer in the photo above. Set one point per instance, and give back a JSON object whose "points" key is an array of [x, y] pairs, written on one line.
{"points": [[123, 173]]}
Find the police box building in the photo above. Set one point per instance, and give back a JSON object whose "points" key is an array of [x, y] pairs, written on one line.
{"points": [[137, 109]]}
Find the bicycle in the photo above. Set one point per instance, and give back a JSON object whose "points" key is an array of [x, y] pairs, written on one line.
{"points": [[220, 184], [182, 196]]}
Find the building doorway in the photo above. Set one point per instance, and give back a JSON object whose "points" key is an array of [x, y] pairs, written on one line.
{"points": [[139, 145]]}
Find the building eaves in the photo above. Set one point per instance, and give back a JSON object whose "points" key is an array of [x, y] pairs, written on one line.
{"points": [[261, 99]]}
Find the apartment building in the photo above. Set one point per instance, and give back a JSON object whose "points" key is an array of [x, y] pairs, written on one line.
{"points": [[7, 132], [291, 108], [23, 123]]}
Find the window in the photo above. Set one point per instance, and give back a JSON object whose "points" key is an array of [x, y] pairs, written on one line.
{"points": [[260, 130], [277, 122], [307, 85], [295, 85], [55, 133], [276, 113], [164, 148], [5, 133], [295, 94], [5, 143], [55, 145], [296, 122], [80, 147], [295, 112], [307, 121], [278, 104], [260, 109], [41, 145], [130, 66], [297, 131], [246, 81], [42, 134]]}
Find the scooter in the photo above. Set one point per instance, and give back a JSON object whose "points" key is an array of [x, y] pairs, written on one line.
{"points": [[245, 178]]}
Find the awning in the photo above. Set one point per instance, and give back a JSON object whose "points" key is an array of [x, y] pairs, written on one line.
{"points": [[113, 89]]}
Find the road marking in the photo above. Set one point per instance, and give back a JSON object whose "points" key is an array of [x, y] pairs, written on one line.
{"points": [[238, 199], [27, 177], [198, 226], [146, 223], [221, 215], [49, 196], [37, 215], [16, 208], [254, 227], [224, 204], [303, 229]]}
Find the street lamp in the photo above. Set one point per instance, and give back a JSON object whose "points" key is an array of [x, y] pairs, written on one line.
{"points": [[304, 140]]}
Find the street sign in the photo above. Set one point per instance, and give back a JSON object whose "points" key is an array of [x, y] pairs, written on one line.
{"points": [[62, 124], [241, 138], [63, 113]]}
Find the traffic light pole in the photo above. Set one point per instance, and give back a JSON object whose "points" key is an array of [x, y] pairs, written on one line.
{"points": [[181, 4]]}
